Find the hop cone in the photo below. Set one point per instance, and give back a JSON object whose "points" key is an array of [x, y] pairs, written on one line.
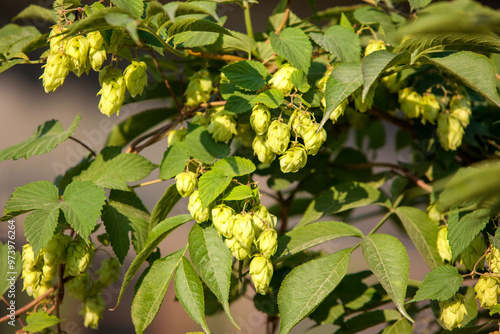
{"points": [[262, 150], [278, 137], [112, 91], [136, 77], [293, 159], [261, 271], [55, 71]]}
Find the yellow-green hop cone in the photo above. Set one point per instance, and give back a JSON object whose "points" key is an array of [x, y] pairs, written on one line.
{"points": [[55, 251], [199, 119], [267, 243], [473, 253], [199, 88], [314, 139], [112, 91], [56, 39], [281, 79], [339, 111], [392, 83], [410, 102], [97, 58], [430, 108], [433, 212], [460, 108], [359, 104], [443, 246], [293, 159], [262, 150], [79, 255], [136, 77], [77, 49], [109, 272], [92, 309], [186, 183], [222, 217], [29, 261], [195, 208], [300, 121], [32, 279], [261, 271], [239, 252], [40, 290], [95, 40], [450, 131], [493, 259], [262, 219], [487, 290], [453, 312], [260, 118], [243, 230], [321, 83], [79, 287], [222, 128], [374, 46], [278, 137], [176, 136], [55, 71], [48, 273]]}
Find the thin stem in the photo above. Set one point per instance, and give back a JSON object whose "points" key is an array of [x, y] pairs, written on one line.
{"points": [[165, 80], [381, 222], [84, 145], [147, 183], [30, 305], [285, 18], [248, 19], [215, 56]]}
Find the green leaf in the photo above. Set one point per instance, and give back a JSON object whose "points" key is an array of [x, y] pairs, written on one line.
{"points": [[136, 7], [473, 69], [39, 321], [368, 319], [293, 45], [271, 98], [157, 234], [343, 81], [387, 258], [248, 74], [299, 81], [164, 206], [14, 38], [153, 287], [305, 237], [189, 291], [37, 13], [118, 227], [417, 4], [113, 170], [8, 64], [401, 326], [44, 139], [239, 103], [377, 63], [174, 160], [12, 263], [201, 145], [340, 41], [440, 284], [422, 232], [194, 39], [234, 166], [340, 198], [239, 193], [212, 260], [307, 285], [462, 232], [194, 24]]}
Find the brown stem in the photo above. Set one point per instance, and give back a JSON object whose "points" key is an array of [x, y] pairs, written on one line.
{"points": [[285, 18], [215, 56], [169, 87], [84, 145], [30, 304]]}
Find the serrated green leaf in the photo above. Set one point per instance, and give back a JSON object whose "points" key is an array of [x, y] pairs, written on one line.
{"points": [[164, 206], [299, 81], [239, 103], [368, 319], [248, 74], [340, 41], [343, 197], [157, 234], [377, 63], [194, 24], [436, 42], [297, 299], [473, 69], [440, 284], [305, 237], [211, 185], [417, 4], [117, 226], [293, 45], [136, 7], [212, 260], [239, 193], [12, 264], [422, 232], [201, 145], [462, 232], [234, 166], [401, 326], [13, 38], [189, 291], [4, 66], [124, 20], [174, 160], [153, 287], [272, 98], [40, 320], [44, 139], [387, 258], [37, 13], [194, 39], [343, 81]]}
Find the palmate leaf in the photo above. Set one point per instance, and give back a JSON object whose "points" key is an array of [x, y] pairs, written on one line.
{"points": [[248, 74], [293, 45], [39, 321], [440, 284], [44, 139], [340, 41]]}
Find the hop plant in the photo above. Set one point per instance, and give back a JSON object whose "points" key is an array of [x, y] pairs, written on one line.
{"points": [[243, 230], [430, 108], [473, 253], [32, 279], [238, 251], [410, 102], [433, 212], [300, 121], [78, 287], [48, 273], [460, 109], [29, 260], [262, 219], [374, 46], [55, 71], [109, 272], [136, 77], [262, 150], [278, 137], [359, 104], [261, 271], [40, 290], [282, 78], [443, 246], [260, 118], [176, 136], [293, 159], [339, 111], [54, 252], [56, 39], [494, 260], [112, 91], [92, 309], [199, 88], [487, 290], [186, 183], [267, 243], [222, 217], [77, 49], [97, 52], [393, 83], [79, 255], [222, 128], [199, 119], [453, 312], [196, 209], [313, 139], [450, 131], [245, 134]]}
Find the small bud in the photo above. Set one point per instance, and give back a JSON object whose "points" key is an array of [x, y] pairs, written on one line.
{"points": [[450, 131], [55, 251], [260, 118], [430, 108], [314, 139], [243, 230], [78, 287], [196, 210], [199, 88], [300, 121], [92, 309], [77, 49], [136, 77], [374, 46], [261, 271], [176, 136], [112, 91], [493, 259], [293, 159], [487, 290], [339, 111], [222, 217], [109, 272], [443, 246], [267, 243], [262, 219], [239, 252], [281, 79], [278, 137], [262, 150], [453, 312], [222, 128], [186, 183], [410, 102], [55, 71], [460, 108], [79, 255], [473, 253]]}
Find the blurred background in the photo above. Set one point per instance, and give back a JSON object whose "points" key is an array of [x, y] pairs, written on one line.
{"points": [[24, 105]]}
